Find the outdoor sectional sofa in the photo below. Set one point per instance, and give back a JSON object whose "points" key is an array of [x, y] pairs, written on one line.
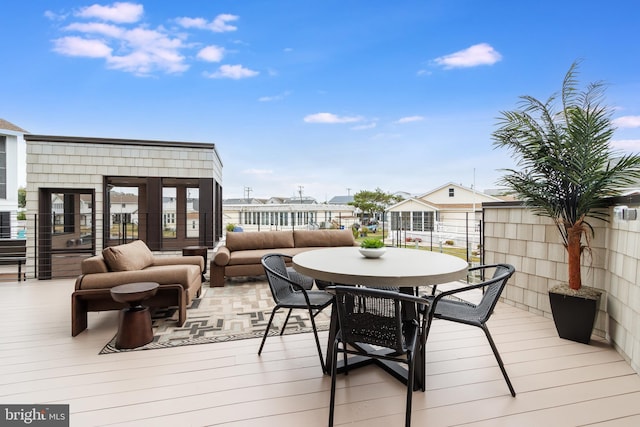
{"points": [[242, 251], [179, 278]]}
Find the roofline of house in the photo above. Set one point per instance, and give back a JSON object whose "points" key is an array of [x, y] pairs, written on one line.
{"points": [[450, 183], [120, 141]]}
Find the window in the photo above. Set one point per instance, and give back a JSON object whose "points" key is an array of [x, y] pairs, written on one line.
{"points": [[124, 207], [193, 212], [451, 192], [5, 225], [169, 212], [428, 221], [165, 213], [417, 221]]}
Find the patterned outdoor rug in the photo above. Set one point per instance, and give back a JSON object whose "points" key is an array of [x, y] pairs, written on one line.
{"points": [[237, 311]]}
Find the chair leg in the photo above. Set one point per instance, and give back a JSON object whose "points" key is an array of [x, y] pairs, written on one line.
{"points": [[411, 362], [499, 359], [315, 334], [285, 322], [334, 374], [266, 331], [423, 349]]}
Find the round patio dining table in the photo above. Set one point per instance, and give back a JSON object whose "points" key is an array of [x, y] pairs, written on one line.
{"points": [[398, 267]]}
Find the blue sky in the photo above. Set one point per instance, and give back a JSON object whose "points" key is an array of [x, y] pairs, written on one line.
{"points": [[331, 96]]}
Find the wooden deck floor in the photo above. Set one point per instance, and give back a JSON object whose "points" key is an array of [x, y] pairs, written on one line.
{"points": [[559, 383]]}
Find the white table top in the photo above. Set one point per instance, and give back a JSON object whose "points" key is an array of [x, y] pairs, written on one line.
{"points": [[397, 267]]}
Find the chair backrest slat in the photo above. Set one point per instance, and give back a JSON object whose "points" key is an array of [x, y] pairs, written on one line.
{"points": [[369, 319], [493, 290], [276, 271]]}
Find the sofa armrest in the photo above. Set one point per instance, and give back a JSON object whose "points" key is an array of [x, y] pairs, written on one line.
{"points": [[94, 264], [180, 260], [222, 256]]}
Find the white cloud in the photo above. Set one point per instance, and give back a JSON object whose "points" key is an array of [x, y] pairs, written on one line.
{"points": [[278, 97], [138, 50], [330, 118], [118, 12], [187, 22], [235, 72], [479, 54], [211, 53], [632, 145], [77, 46], [143, 62], [218, 25], [409, 119], [144, 51], [627, 122], [108, 30]]}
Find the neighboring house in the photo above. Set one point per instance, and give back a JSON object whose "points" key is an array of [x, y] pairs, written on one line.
{"points": [[11, 136], [448, 213], [285, 213], [300, 200], [340, 200]]}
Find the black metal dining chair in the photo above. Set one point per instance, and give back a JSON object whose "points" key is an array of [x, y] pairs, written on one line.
{"points": [[442, 306], [373, 317], [289, 294]]}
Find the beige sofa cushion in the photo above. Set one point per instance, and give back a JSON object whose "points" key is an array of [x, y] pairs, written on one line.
{"points": [[323, 238], [128, 257], [185, 275], [240, 241]]}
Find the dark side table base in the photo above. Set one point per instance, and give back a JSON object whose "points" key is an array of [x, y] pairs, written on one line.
{"points": [[134, 328], [134, 322]]}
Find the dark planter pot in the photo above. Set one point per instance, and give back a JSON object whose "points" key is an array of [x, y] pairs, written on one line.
{"points": [[574, 316]]}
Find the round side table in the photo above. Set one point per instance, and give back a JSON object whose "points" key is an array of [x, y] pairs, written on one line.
{"points": [[134, 326], [197, 250]]}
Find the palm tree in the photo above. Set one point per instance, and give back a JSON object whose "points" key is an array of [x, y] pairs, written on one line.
{"points": [[567, 165]]}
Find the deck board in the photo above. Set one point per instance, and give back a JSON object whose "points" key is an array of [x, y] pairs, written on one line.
{"points": [[558, 382]]}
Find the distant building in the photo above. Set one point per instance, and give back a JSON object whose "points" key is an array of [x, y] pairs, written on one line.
{"points": [[341, 200], [277, 213], [450, 212], [11, 136]]}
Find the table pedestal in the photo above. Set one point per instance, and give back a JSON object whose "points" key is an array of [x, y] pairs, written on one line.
{"points": [[134, 322]]}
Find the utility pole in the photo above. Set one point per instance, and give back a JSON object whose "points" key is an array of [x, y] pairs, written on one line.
{"points": [[247, 191], [300, 188]]}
